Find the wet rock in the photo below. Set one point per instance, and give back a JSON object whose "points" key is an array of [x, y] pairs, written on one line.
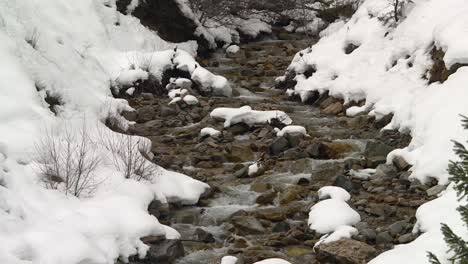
{"points": [[303, 182], [145, 114], [260, 187], [279, 145], [289, 195], [377, 148], [165, 251], [294, 139], [275, 214], [344, 182], [400, 163], [247, 225], [435, 190], [386, 170], [384, 238], [397, 227], [204, 236], [242, 173], [238, 129], [266, 198], [333, 109], [369, 234], [294, 153], [130, 115], [165, 111], [241, 153], [406, 238], [317, 151], [297, 251], [345, 251], [281, 227]]}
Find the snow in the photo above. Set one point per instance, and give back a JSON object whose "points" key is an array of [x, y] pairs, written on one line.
{"points": [[76, 51], [129, 77], [292, 130], [229, 260], [190, 99], [363, 174], [209, 131], [233, 49], [209, 82], [181, 83], [253, 169], [328, 215], [273, 261], [389, 70], [246, 115], [333, 192], [340, 233]]}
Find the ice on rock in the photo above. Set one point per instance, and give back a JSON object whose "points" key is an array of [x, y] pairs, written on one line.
{"points": [[246, 115]]}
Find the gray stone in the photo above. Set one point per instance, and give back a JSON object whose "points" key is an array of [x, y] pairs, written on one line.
{"points": [[247, 225], [266, 198], [281, 227], [345, 251], [406, 238], [294, 139], [376, 148], [386, 170], [369, 234], [384, 238], [165, 251], [204, 236], [239, 129], [145, 114], [317, 151], [400, 163], [242, 173], [279, 145], [344, 182], [130, 115], [165, 111], [397, 227], [435, 190]]}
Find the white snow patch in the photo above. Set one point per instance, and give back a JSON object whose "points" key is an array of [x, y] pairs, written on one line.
{"points": [[208, 131], [246, 115], [340, 233], [333, 192], [190, 100], [328, 215], [273, 261], [229, 260], [233, 49], [292, 130]]}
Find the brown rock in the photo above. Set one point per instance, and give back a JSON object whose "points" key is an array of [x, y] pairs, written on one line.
{"points": [[333, 109], [346, 251]]}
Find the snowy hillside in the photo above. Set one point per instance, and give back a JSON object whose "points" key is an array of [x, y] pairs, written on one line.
{"points": [[390, 65], [59, 60]]}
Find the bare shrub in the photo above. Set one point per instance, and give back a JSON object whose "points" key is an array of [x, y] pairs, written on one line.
{"points": [[129, 155], [67, 160]]}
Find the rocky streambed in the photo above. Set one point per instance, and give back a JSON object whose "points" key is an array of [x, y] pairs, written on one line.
{"points": [[263, 214]]}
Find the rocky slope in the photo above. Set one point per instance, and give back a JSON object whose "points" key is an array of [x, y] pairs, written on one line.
{"points": [[264, 214]]}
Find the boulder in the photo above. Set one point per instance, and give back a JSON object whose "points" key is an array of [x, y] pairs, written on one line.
{"points": [[400, 163], [344, 182], [345, 251], [247, 225], [204, 236], [238, 129], [317, 150], [278, 145], [333, 109], [165, 251]]}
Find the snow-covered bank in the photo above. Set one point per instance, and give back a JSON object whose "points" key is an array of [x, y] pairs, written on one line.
{"points": [[388, 65], [69, 54]]}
